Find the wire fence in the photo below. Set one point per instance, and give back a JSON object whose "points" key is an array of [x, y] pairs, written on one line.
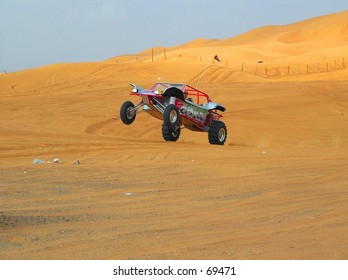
{"points": [[295, 69], [259, 68]]}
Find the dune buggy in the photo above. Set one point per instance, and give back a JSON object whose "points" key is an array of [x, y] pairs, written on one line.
{"points": [[178, 105]]}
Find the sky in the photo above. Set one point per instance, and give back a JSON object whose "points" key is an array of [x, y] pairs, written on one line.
{"points": [[34, 33]]}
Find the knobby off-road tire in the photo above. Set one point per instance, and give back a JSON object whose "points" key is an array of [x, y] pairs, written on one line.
{"points": [[171, 117], [126, 114], [170, 134], [217, 133]]}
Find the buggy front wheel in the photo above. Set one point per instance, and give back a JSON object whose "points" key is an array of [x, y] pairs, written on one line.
{"points": [[170, 134], [217, 133], [127, 112], [171, 117]]}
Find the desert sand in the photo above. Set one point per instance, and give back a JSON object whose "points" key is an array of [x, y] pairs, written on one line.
{"points": [[277, 189]]}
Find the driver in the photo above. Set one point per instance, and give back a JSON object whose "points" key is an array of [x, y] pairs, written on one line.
{"points": [[186, 97]]}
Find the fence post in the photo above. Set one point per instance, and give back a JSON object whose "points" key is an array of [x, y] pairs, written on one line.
{"points": [[344, 66], [165, 55], [242, 69], [152, 55]]}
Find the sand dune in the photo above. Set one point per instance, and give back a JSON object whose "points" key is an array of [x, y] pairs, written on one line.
{"points": [[316, 40], [329, 29], [276, 190]]}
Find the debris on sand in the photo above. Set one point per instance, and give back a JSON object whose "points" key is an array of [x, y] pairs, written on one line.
{"points": [[41, 161], [57, 160], [38, 161]]}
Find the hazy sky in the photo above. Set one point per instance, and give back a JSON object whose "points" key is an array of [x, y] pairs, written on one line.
{"points": [[41, 32]]}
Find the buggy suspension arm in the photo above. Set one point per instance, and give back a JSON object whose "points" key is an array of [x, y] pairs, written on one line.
{"points": [[136, 107]]}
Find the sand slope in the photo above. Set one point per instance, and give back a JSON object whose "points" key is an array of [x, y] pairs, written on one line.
{"points": [[276, 190]]}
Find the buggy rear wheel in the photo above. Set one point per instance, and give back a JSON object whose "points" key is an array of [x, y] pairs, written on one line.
{"points": [[217, 133], [170, 134], [127, 112], [171, 117]]}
